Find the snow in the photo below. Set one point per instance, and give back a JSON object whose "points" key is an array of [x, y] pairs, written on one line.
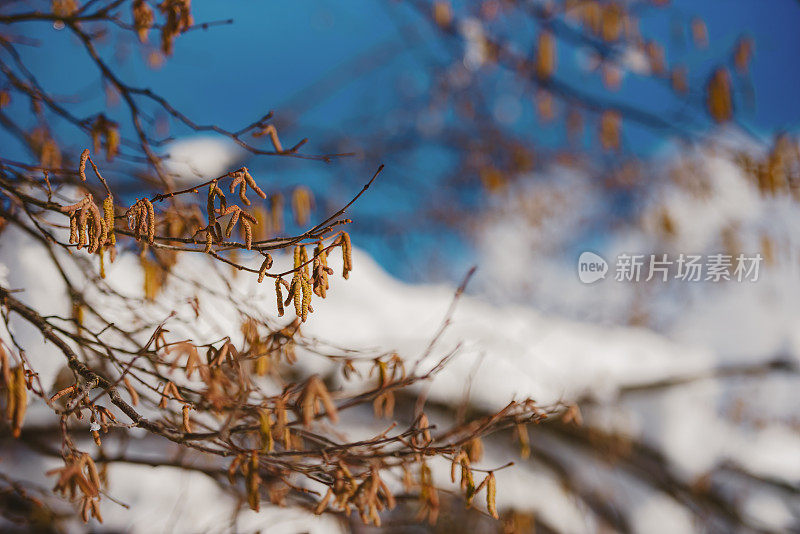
{"points": [[202, 156], [576, 344]]}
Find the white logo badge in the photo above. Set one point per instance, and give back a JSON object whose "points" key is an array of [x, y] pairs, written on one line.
{"points": [[591, 267]]}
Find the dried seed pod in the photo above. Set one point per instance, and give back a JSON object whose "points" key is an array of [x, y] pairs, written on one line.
{"points": [[718, 96]]}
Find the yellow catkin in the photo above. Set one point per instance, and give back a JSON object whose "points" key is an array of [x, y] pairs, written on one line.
{"points": [[276, 210], [306, 288], [442, 13], [253, 481], [610, 122], [297, 294], [112, 142], [82, 231], [302, 201], [491, 496], [108, 216], [546, 55], [612, 21], [265, 428], [20, 396], [718, 96], [279, 295]]}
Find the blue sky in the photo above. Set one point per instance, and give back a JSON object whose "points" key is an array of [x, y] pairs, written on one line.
{"points": [[231, 74]]}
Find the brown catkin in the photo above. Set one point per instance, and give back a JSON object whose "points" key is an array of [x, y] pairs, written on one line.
{"points": [[209, 241], [73, 228], [252, 183], [82, 166], [82, 220], [131, 391], [248, 233], [545, 55], [262, 271], [232, 222], [279, 295], [718, 96], [187, 422], [20, 395], [151, 216], [347, 255], [610, 121]]}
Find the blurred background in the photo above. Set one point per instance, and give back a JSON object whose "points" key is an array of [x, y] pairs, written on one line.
{"points": [[517, 135]]}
